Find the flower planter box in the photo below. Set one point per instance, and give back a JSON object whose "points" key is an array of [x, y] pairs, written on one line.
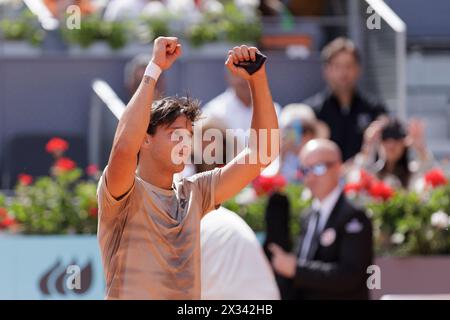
{"points": [[40, 267], [100, 48], [19, 48], [212, 49], [415, 275]]}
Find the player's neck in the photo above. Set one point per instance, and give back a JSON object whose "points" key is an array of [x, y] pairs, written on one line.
{"points": [[155, 177]]}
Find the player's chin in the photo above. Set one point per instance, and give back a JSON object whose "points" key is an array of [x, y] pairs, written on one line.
{"points": [[177, 168]]}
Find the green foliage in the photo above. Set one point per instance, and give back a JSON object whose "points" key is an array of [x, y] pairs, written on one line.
{"points": [[56, 205], [204, 32], [61, 203], [253, 213], [403, 226], [239, 28], [157, 27], [93, 29], [2, 200], [26, 27], [231, 25]]}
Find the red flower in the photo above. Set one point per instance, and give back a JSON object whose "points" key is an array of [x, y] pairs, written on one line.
{"points": [[366, 180], [353, 187], [435, 178], [264, 184], [93, 212], [25, 179], [65, 164], [92, 170], [56, 145], [5, 220], [381, 190], [6, 223]]}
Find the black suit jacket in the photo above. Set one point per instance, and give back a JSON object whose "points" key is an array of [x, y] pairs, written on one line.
{"points": [[277, 217], [338, 270]]}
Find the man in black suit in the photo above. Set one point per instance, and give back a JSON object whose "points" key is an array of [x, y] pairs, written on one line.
{"points": [[335, 244]]}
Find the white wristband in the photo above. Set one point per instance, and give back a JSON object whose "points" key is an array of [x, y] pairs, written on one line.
{"points": [[153, 71]]}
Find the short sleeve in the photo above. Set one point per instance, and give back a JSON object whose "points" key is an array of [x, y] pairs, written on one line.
{"points": [[206, 184], [107, 204]]}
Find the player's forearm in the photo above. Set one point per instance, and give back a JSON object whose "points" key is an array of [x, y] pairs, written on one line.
{"points": [[264, 119], [134, 122]]}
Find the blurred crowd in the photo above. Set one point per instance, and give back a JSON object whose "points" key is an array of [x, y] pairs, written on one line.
{"points": [[113, 10], [332, 140]]}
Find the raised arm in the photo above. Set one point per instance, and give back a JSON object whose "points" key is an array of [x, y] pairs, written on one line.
{"points": [[247, 165], [134, 122]]}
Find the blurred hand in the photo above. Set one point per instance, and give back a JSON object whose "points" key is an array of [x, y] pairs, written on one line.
{"points": [[165, 51], [284, 263], [372, 135], [416, 134], [243, 53]]}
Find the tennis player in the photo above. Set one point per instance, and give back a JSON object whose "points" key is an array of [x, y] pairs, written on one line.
{"points": [[149, 224]]}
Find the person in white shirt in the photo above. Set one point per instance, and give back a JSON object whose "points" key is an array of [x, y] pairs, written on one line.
{"points": [[123, 10], [233, 263], [233, 109]]}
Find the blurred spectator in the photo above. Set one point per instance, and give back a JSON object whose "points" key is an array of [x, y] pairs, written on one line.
{"points": [[189, 9], [233, 264], [232, 261], [134, 71], [335, 244], [298, 125], [271, 7], [387, 153], [58, 7], [233, 109], [123, 10], [346, 110]]}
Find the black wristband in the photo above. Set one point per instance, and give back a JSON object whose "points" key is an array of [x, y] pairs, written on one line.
{"points": [[252, 66]]}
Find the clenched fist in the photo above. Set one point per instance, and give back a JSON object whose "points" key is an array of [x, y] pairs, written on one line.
{"points": [[165, 51], [240, 54]]}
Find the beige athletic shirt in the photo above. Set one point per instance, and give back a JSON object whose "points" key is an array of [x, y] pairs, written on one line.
{"points": [[150, 239]]}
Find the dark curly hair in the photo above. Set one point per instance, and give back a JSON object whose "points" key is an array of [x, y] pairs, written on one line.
{"points": [[165, 111]]}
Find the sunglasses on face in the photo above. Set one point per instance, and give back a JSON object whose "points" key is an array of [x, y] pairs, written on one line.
{"points": [[319, 169]]}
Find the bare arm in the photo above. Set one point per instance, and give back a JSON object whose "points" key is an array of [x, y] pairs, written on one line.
{"points": [[134, 122], [248, 164]]}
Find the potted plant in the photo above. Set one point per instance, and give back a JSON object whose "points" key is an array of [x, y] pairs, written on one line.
{"points": [[412, 239], [21, 35], [61, 203], [96, 36], [145, 30], [47, 230], [217, 32]]}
